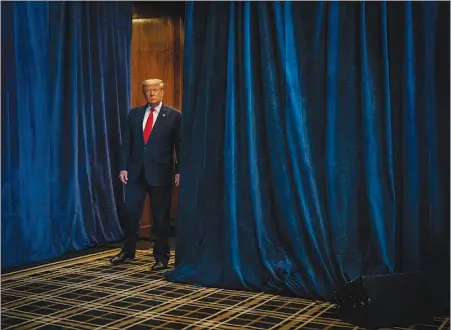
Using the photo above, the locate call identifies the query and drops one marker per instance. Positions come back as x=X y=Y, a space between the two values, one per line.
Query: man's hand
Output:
x=177 y=180
x=123 y=176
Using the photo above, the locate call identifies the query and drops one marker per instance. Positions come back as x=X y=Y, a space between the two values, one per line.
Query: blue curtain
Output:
x=315 y=144
x=65 y=89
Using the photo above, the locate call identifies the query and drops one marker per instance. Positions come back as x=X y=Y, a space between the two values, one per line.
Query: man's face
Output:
x=153 y=94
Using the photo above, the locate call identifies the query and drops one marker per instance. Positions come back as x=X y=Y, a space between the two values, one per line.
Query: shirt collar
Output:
x=157 y=108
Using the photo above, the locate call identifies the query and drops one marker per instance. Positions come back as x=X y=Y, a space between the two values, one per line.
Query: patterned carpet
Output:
x=88 y=293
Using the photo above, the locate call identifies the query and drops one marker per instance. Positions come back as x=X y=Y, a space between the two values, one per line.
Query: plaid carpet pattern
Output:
x=88 y=293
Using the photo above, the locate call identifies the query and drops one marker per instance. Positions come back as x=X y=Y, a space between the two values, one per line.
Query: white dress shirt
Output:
x=155 y=114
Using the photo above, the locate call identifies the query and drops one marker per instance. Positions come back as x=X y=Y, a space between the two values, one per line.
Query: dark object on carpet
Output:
x=385 y=300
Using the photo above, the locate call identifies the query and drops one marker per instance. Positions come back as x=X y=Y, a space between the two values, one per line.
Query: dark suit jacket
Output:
x=156 y=156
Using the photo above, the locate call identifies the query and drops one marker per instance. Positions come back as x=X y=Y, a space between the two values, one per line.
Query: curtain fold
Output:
x=315 y=139
x=66 y=89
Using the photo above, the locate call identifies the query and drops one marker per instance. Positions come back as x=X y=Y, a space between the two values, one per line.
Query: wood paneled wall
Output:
x=157 y=52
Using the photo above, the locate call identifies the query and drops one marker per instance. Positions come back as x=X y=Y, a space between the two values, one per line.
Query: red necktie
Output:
x=149 y=124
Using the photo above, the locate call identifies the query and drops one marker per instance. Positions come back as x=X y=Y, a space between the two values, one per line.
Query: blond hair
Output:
x=148 y=82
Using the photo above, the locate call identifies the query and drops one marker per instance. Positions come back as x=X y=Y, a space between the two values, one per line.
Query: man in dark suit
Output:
x=151 y=134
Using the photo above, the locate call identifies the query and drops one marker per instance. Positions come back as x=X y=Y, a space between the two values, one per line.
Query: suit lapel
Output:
x=141 y=117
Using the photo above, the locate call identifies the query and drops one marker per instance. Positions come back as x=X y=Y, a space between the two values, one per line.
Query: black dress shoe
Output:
x=121 y=257
x=159 y=266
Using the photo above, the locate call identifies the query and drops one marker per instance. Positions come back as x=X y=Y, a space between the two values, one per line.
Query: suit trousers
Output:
x=160 y=204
